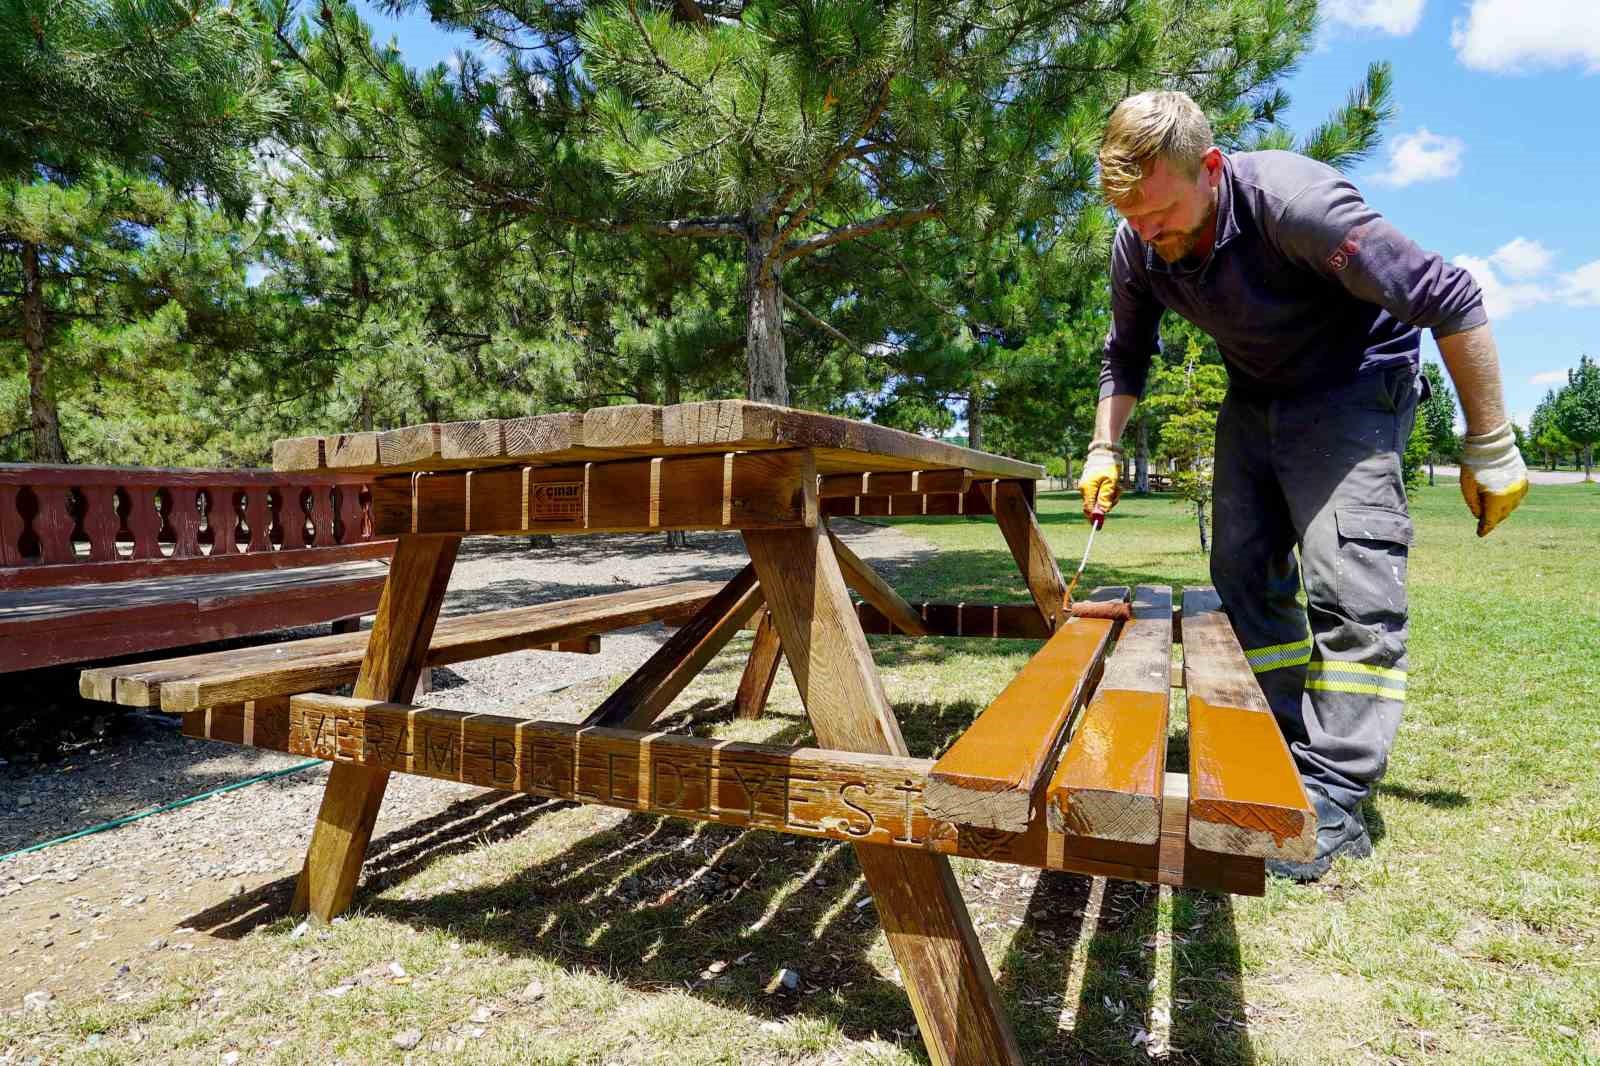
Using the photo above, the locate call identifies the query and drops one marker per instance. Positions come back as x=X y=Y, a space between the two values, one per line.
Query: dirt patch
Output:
x=97 y=915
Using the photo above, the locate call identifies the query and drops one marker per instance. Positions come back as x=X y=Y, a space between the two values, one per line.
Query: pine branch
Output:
x=831 y=331
x=892 y=220
x=830 y=166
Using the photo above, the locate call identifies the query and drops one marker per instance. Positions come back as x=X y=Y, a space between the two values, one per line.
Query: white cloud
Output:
x=1517 y=276
x=1398 y=17
x=1521 y=258
x=1549 y=377
x=1423 y=156
x=1581 y=288
x=1501 y=298
x=1507 y=36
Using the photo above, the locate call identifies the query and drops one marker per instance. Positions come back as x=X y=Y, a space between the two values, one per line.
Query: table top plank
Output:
x=842 y=445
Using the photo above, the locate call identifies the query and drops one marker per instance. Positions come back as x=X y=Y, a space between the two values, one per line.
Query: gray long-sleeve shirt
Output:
x=1306 y=285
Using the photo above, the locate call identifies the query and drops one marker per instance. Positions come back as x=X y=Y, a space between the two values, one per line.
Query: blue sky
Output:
x=1491 y=159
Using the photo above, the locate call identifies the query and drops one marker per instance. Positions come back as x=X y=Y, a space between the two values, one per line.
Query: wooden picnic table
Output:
x=1066 y=770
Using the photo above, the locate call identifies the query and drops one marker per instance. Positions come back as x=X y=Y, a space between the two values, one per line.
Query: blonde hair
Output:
x=1151 y=125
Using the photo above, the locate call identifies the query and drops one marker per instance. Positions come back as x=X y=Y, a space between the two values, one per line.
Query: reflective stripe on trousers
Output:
x=1308 y=498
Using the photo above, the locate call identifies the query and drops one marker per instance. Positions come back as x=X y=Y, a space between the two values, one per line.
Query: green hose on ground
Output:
x=174 y=805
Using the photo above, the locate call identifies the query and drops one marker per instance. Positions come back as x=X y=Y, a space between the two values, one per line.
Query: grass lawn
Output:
x=587 y=936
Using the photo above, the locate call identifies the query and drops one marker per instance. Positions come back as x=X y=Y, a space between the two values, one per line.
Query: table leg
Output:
x=1013 y=513
x=923 y=914
x=760 y=669
x=401 y=632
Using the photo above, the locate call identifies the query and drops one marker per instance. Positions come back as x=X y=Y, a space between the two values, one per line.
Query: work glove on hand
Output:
x=1494 y=478
x=1102 y=468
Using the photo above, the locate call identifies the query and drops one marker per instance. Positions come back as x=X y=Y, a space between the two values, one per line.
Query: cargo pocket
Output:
x=1373 y=546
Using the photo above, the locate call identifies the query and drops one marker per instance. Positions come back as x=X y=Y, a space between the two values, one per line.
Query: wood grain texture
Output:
x=760 y=669
x=409 y=445
x=995 y=773
x=297 y=453
x=650 y=689
x=538 y=435
x=1013 y=512
x=718 y=425
x=859 y=575
x=1109 y=782
x=472 y=440
x=1245 y=795
x=348 y=451
x=946 y=976
x=240 y=674
x=395 y=658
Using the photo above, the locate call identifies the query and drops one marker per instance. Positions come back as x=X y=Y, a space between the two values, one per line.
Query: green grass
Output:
x=1470 y=937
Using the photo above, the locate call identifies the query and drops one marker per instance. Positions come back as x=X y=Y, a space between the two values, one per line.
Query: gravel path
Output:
x=89 y=916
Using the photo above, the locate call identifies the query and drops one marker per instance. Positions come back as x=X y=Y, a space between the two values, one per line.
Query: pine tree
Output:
x=110 y=106
x=789 y=131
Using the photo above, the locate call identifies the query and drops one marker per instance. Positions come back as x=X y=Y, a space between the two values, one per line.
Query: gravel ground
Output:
x=88 y=916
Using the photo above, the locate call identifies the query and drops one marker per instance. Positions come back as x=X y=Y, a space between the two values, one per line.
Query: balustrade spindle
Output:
x=292 y=515
x=144 y=521
x=100 y=521
x=11 y=526
x=53 y=524
x=184 y=521
x=258 y=515
x=322 y=516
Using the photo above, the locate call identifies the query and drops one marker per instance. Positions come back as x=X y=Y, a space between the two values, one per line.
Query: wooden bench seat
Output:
x=230 y=677
x=71 y=623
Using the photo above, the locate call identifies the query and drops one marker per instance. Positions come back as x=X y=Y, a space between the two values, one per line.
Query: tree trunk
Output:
x=975 y=418
x=1141 y=463
x=1430 y=469
x=44 y=419
x=1200 y=519
x=766 y=367
x=1588 y=463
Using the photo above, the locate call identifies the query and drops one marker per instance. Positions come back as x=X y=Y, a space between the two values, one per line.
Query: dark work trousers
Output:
x=1320 y=472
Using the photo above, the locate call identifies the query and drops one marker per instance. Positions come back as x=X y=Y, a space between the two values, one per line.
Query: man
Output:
x=1315 y=302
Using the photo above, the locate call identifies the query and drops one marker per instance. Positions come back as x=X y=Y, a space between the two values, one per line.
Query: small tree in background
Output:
x=1437 y=416
x=1190 y=395
x=1577 y=411
x=1545 y=436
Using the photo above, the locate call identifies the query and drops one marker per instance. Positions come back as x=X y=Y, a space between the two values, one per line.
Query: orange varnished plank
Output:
x=1109 y=782
x=992 y=773
x=1245 y=795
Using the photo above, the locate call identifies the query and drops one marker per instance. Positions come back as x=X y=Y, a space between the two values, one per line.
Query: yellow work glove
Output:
x=1494 y=478
x=1102 y=468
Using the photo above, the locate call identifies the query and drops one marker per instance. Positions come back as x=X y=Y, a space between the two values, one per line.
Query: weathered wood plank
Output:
x=240 y=674
x=760 y=669
x=650 y=689
x=721 y=425
x=1245 y=795
x=946 y=976
x=351 y=451
x=1013 y=512
x=994 y=775
x=539 y=435
x=859 y=575
x=297 y=453
x=1109 y=782
x=395 y=658
x=480 y=440
x=409 y=445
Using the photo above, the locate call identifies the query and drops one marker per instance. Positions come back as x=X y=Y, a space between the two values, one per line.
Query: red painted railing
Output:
x=73 y=524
